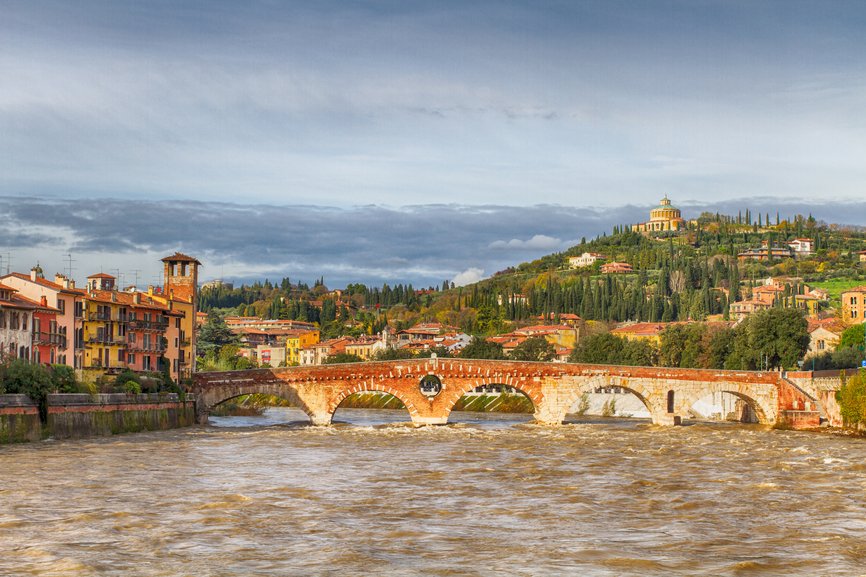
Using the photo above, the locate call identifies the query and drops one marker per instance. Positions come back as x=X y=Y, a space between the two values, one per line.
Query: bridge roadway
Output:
x=553 y=388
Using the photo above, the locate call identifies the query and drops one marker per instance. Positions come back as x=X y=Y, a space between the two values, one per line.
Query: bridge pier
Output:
x=428 y=420
x=201 y=411
x=321 y=419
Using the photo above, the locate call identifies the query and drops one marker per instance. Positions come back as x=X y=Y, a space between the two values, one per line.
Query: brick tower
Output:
x=180 y=292
x=180 y=279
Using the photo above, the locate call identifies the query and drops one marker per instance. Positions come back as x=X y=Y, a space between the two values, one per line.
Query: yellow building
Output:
x=104 y=325
x=297 y=340
x=663 y=218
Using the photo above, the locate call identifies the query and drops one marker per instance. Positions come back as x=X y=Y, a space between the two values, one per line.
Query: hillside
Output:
x=687 y=275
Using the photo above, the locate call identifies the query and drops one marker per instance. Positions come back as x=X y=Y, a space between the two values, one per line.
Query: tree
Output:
x=534 y=349
x=215 y=334
x=852 y=400
x=852 y=337
x=480 y=348
x=608 y=349
x=769 y=339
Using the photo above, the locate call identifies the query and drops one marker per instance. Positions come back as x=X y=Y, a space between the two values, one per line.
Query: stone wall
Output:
x=77 y=416
x=19 y=419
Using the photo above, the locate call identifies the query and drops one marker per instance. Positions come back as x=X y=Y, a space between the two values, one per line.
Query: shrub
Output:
x=63 y=379
x=132 y=387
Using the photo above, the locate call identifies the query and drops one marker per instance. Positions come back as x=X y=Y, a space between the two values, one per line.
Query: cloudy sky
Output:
x=410 y=141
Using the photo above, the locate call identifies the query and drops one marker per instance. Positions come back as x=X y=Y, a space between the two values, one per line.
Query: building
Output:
x=586 y=259
x=641 y=331
x=824 y=335
x=297 y=339
x=766 y=252
x=854 y=305
x=129 y=330
x=862 y=255
x=423 y=332
x=741 y=309
x=663 y=218
x=62 y=296
x=317 y=353
x=365 y=347
x=802 y=247
x=616 y=268
x=28 y=329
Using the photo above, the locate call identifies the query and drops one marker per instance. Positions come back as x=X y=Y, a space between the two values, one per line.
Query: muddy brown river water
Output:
x=487 y=496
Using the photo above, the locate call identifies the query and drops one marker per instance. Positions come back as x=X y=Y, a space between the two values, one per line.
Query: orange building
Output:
x=854 y=305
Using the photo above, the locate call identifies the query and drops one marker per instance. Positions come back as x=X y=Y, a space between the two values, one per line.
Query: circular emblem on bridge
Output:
x=430 y=386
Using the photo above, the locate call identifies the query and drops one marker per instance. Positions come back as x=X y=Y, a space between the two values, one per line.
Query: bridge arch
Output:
x=637 y=387
x=282 y=390
x=457 y=387
x=763 y=407
x=367 y=387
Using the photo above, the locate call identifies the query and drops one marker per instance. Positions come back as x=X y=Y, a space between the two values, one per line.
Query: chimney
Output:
x=33 y=274
x=44 y=301
x=150 y=290
x=114 y=297
x=136 y=298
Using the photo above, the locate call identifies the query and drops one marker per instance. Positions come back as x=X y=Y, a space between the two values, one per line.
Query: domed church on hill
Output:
x=663 y=218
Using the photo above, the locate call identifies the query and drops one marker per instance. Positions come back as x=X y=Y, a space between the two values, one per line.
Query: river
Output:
x=489 y=495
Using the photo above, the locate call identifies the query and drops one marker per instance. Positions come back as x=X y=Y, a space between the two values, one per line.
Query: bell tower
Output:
x=180 y=278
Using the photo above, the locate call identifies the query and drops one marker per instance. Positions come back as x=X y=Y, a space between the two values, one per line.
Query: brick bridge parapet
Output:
x=553 y=388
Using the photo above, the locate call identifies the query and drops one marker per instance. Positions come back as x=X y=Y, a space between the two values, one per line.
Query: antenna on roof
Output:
x=136 y=271
x=8 y=261
x=69 y=268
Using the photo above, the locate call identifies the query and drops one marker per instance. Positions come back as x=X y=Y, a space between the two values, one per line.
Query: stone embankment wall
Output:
x=823 y=386
x=76 y=416
x=19 y=419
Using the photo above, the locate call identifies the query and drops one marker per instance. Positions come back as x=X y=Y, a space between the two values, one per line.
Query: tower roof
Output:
x=180 y=257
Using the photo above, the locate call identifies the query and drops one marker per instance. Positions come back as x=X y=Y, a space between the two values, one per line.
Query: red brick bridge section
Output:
x=553 y=388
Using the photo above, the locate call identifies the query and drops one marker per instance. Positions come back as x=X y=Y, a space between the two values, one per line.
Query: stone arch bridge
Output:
x=553 y=388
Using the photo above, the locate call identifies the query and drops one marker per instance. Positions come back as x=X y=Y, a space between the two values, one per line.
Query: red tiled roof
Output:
x=101 y=275
x=178 y=256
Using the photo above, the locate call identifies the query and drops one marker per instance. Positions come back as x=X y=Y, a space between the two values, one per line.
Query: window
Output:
x=146 y=362
x=131 y=359
x=821 y=345
x=120 y=355
x=2 y=320
x=853 y=314
x=79 y=309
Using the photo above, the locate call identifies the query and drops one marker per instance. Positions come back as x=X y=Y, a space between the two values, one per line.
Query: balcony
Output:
x=104 y=317
x=142 y=325
x=55 y=339
x=105 y=340
x=145 y=348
